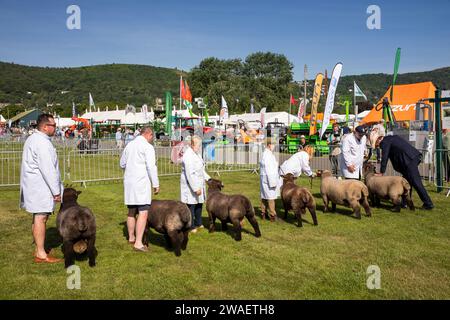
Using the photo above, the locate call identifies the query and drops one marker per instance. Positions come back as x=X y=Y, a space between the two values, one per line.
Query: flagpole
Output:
x=181 y=81
x=354 y=103
x=290 y=110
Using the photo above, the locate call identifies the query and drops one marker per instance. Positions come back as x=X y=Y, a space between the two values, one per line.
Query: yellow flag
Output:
x=315 y=104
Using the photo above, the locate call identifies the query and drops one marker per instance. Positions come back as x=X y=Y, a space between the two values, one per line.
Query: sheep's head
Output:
x=326 y=174
x=214 y=184
x=368 y=168
x=288 y=178
x=70 y=194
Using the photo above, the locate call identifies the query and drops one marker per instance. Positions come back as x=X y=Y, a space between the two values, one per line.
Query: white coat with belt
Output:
x=297 y=164
x=141 y=174
x=40 y=179
x=352 y=153
x=193 y=176
x=269 y=177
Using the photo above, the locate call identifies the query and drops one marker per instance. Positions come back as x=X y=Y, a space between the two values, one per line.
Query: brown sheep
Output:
x=349 y=193
x=76 y=225
x=297 y=199
x=172 y=219
x=387 y=187
x=229 y=208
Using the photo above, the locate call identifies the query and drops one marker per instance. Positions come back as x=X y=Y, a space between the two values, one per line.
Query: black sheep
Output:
x=172 y=219
x=76 y=225
x=229 y=208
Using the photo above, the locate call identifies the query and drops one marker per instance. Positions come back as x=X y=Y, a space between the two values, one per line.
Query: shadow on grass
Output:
x=52 y=239
x=229 y=227
x=154 y=238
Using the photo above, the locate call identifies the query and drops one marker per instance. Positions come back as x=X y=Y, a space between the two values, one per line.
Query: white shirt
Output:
x=270 y=181
x=141 y=174
x=193 y=176
x=297 y=164
x=40 y=178
x=352 y=154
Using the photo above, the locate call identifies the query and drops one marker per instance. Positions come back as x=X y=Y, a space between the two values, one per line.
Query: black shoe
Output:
x=430 y=207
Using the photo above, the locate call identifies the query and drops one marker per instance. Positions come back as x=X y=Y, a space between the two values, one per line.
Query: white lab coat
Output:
x=193 y=176
x=297 y=164
x=40 y=179
x=352 y=153
x=141 y=173
x=270 y=181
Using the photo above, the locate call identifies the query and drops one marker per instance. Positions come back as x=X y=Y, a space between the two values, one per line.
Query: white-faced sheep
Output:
x=393 y=188
x=351 y=193
x=76 y=225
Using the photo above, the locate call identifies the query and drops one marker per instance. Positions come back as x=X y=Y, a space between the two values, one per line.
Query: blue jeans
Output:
x=196 y=213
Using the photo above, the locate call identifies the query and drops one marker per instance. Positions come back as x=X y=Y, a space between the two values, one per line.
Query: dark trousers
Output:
x=196 y=213
x=334 y=164
x=412 y=175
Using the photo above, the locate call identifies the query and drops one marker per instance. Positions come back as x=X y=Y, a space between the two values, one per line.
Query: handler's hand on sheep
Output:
x=198 y=192
x=351 y=168
x=57 y=198
x=378 y=174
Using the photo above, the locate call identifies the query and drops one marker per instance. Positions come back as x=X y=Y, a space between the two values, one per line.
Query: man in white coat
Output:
x=40 y=182
x=192 y=181
x=141 y=174
x=352 y=155
x=298 y=163
x=269 y=181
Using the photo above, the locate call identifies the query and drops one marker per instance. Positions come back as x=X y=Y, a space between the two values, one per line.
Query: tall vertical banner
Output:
x=315 y=103
x=329 y=105
x=74 y=110
x=168 y=113
x=223 y=110
x=91 y=103
x=301 y=107
x=262 y=115
x=396 y=65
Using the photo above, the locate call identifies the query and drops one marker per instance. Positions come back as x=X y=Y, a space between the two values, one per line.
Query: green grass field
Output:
x=324 y=262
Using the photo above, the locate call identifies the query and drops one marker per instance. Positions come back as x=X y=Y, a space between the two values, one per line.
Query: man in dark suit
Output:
x=405 y=159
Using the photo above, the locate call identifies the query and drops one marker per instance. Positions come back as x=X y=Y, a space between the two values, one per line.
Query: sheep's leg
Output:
x=168 y=242
x=356 y=208
x=69 y=254
x=312 y=210
x=409 y=202
x=333 y=207
x=212 y=222
x=185 y=240
x=224 y=225
x=397 y=201
x=325 y=203
x=285 y=205
x=252 y=219
x=366 y=206
x=298 y=214
x=237 y=228
x=176 y=239
x=91 y=251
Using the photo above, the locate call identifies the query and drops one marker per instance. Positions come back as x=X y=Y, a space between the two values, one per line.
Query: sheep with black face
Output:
x=76 y=225
x=229 y=208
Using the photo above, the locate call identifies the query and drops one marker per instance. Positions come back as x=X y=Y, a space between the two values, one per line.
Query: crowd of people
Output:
x=41 y=186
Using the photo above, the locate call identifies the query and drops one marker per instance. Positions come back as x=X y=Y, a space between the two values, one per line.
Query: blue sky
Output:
x=180 y=34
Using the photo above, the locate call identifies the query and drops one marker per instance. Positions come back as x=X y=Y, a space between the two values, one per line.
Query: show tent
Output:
x=404 y=103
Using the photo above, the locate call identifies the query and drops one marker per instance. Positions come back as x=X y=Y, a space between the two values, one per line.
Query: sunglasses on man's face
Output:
x=51 y=125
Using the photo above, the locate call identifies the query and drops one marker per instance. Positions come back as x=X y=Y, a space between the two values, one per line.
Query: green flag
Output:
x=396 y=65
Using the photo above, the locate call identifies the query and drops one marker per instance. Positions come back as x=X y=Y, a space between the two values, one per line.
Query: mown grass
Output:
x=324 y=262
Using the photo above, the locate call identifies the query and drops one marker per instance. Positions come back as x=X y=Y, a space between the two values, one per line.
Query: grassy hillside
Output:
x=138 y=84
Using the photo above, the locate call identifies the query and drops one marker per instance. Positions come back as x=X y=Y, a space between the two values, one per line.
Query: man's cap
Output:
x=360 y=129
x=302 y=136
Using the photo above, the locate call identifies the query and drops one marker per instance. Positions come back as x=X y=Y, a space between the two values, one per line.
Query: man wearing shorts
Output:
x=40 y=182
x=138 y=161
